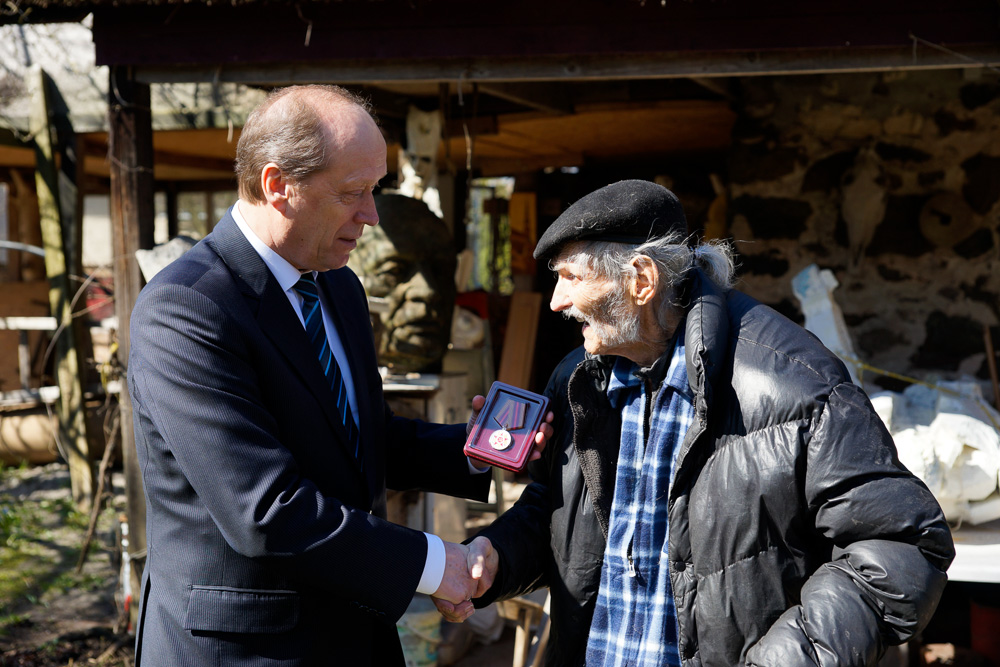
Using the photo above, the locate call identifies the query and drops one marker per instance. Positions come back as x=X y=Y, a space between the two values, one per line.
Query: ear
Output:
x=275 y=186
x=646 y=280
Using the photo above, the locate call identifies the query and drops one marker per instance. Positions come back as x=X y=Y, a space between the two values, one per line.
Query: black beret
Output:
x=631 y=211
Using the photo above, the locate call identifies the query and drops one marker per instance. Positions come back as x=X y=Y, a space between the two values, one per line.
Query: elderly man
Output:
x=719 y=493
x=265 y=444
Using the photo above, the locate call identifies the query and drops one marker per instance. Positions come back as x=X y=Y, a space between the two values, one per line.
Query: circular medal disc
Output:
x=500 y=440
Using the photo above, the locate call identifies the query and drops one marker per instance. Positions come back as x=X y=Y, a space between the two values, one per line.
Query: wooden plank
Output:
x=131 y=132
x=50 y=395
x=58 y=219
x=518 y=356
x=29 y=323
x=17 y=156
x=523 y=217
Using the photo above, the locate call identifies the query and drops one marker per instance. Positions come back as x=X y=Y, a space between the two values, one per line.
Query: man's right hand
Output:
x=481 y=563
x=457 y=587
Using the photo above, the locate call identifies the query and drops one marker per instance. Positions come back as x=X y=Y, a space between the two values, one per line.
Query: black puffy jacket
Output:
x=796 y=536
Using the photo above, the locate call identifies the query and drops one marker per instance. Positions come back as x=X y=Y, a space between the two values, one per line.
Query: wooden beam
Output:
x=170 y=158
x=58 y=222
x=456 y=30
x=131 y=132
x=580 y=67
x=551 y=98
x=206 y=162
x=477 y=127
x=17 y=156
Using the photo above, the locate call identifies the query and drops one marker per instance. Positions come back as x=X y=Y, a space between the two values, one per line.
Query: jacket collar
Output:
x=706 y=337
x=597 y=427
x=279 y=323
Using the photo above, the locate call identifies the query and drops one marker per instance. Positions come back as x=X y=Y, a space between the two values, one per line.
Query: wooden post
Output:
x=58 y=215
x=172 y=224
x=131 y=154
x=72 y=168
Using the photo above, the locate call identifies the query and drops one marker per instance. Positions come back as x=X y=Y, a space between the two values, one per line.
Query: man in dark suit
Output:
x=262 y=433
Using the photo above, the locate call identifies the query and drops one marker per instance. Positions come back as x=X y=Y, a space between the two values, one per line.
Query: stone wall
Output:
x=891 y=181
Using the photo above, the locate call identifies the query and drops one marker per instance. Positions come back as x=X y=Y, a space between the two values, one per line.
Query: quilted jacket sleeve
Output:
x=892 y=546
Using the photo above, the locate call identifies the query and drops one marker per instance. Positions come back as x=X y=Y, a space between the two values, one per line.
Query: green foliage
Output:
x=17 y=578
x=12 y=523
x=68 y=581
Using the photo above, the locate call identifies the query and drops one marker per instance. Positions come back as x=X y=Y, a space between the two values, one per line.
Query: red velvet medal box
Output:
x=504 y=432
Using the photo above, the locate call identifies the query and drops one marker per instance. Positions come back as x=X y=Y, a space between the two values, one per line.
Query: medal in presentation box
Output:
x=504 y=432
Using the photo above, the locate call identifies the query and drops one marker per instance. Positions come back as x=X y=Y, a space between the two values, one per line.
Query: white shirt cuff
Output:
x=430 y=580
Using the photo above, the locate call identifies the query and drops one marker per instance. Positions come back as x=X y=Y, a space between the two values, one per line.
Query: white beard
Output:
x=613 y=322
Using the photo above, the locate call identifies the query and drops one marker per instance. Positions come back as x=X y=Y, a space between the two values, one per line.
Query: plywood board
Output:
x=518 y=355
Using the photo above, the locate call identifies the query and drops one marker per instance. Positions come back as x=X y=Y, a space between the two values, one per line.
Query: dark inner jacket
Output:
x=796 y=537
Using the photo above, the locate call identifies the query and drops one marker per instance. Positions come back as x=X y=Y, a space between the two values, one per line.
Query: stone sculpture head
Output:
x=408 y=259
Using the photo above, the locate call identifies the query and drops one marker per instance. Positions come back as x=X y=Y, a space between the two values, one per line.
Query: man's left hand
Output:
x=542 y=437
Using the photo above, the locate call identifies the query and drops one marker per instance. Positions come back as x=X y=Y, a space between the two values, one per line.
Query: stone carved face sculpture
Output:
x=408 y=259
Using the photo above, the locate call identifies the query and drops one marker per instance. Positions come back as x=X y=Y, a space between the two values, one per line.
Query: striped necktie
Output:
x=312 y=314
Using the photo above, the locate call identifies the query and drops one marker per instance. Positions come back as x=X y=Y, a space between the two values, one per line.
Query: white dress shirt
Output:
x=287 y=275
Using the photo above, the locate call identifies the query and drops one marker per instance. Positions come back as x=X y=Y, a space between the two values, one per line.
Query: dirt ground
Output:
x=50 y=616
x=54 y=615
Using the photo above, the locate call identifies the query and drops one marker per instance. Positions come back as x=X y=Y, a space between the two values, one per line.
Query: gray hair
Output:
x=288 y=130
x=673 y=259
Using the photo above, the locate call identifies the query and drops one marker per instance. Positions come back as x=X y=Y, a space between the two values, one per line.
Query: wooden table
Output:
x=977 y=553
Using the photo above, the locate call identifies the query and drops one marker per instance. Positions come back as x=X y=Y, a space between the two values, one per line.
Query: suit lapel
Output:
x=277 y=319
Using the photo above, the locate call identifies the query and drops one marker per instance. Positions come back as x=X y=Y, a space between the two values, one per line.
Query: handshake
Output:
x=468 y=573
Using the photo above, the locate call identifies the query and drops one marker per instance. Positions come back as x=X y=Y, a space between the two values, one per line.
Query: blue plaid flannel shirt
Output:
x=635 y=621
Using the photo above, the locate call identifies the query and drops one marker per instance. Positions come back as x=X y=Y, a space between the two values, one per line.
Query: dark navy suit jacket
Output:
x=266 y=539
